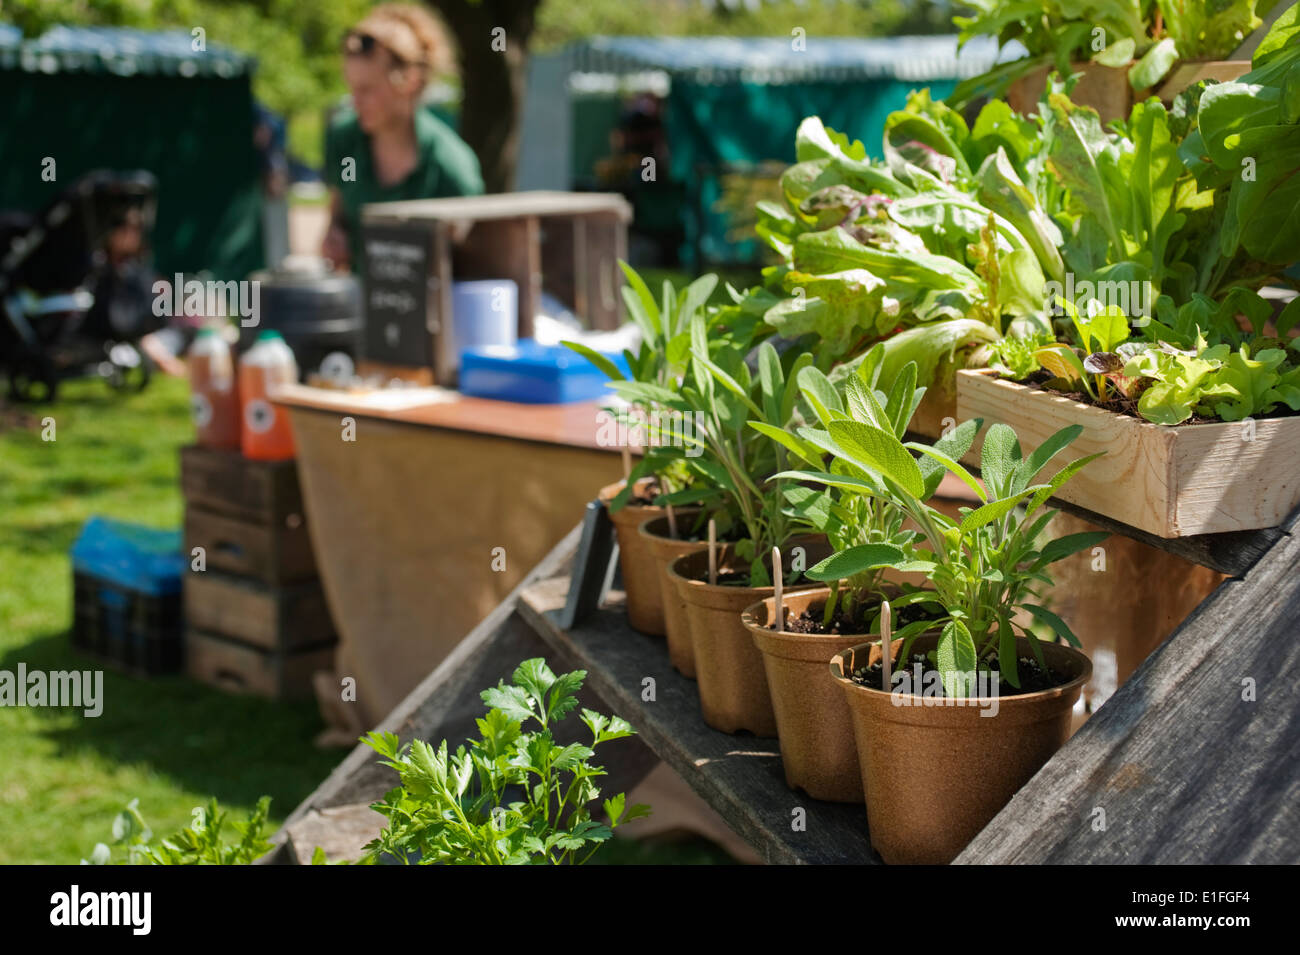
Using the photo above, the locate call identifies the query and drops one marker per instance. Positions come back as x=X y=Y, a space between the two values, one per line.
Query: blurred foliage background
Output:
x=297 y=43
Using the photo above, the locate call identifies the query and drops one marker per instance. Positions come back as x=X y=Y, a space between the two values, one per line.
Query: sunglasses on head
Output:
x=359 y=43
x=364 y=44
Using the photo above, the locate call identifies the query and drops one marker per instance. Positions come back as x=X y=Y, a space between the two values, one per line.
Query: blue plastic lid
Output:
x=529 y=352
x=144 y=559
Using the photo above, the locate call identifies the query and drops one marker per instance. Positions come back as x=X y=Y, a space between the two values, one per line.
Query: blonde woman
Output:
x=387 y=147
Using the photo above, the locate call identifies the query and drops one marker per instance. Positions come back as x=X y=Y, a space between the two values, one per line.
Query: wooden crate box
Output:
x=236 y=667
x=272 y=553
x=226 y=482
x=1169 y=481
x=273 y=618
x=565 y=243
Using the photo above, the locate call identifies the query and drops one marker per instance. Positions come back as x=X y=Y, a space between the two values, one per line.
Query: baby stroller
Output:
x=76 y=287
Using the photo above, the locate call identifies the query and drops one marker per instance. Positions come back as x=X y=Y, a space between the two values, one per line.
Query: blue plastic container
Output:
x=534 y=374
x=484 y=312
x=127 y=596
x=143 y=559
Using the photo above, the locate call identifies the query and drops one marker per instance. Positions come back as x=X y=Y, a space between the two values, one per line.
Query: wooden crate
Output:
x=226 y=482
x=238 y=668
x=1104 y=88
x=271 y=553
x=937 y=409
x=1185 y=73
x=1172 y=482
x=274 y=618
x=564 y=243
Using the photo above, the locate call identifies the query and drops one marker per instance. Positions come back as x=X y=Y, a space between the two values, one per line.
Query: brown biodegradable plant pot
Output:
x=934 y=776
x=663 y=551
x=733 y=684
x=812 y=716
x=640 y=581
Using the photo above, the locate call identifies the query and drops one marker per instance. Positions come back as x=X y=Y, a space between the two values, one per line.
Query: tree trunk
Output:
x=494 y=73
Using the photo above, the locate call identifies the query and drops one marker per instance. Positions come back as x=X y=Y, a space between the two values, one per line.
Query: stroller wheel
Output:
x=33 y=381
x=126 y=368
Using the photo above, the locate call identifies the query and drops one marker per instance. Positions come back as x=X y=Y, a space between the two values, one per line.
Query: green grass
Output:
x=169 y=741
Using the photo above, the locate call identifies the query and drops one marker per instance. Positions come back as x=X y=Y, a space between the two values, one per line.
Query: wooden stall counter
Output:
x=427 y=508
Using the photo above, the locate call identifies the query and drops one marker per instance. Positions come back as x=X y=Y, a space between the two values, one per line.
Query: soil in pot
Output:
x=664 y=549
x=936 y=770
x=812 y=620
x=1034 y=677
x=640 y=581
x=729 y=667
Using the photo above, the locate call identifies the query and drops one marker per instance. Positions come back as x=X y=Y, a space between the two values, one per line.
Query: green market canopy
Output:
x=120 y=99
x=737 y=101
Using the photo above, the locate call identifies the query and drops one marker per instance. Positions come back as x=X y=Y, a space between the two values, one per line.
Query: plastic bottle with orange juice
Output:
x=214 y=400
x=265 y=434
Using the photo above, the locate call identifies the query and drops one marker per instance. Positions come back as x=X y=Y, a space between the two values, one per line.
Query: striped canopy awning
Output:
x=911 y=59
x=120 y=51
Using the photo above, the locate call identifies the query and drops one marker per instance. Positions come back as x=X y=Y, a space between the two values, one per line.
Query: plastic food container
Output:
x=484 y=312
x=533 y=374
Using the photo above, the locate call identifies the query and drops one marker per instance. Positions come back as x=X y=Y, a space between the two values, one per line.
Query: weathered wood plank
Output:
x=500 y=206
x=1184 y=768
x=740 y=776
x=1232 y=553
x=341 y=831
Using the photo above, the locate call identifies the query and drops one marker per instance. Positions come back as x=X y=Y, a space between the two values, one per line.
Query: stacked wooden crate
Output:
x=256 y=617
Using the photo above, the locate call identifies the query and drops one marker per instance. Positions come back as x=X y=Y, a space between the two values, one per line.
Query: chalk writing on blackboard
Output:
x=396 y=272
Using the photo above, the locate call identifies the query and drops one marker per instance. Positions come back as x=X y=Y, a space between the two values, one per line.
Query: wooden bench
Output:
x=1176 y=767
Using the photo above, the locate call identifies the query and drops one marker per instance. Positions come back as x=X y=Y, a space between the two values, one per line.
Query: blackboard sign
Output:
x=592 y=567
x=396 y=283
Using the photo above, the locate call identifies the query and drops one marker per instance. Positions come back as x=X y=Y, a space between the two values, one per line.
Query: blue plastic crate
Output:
x=144 y=559
x=127 y=595
x=533 y=374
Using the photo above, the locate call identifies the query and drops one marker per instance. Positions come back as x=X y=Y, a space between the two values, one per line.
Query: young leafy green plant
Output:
x=1192 y=360
x=510 y=797
x=202 y=843
x=1214 y=382
x=732 y=461
x=1247 y=144
x=1146 y=38
x=661 y=361
x=1102 y=331
x=986 y=567
x=1016 y=358
x=865 y=531
x=943 y=247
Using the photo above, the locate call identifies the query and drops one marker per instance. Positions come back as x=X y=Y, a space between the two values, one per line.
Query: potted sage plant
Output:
x=660 y=362
x=733 y=463
x=973 y=686
x=870 y=544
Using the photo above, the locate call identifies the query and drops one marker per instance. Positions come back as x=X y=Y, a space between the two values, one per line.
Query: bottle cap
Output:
x=269 y=335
